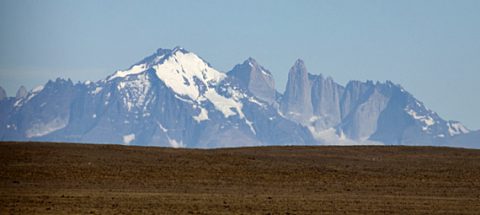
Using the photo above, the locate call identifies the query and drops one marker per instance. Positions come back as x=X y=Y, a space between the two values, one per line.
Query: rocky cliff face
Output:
x=256 y=79
x=326 y=95
x=362 y=112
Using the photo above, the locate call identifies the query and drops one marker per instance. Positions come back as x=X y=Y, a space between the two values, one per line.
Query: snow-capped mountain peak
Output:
x=185 y=73
x=182 y=71
x=188 y=76
x=156 y=58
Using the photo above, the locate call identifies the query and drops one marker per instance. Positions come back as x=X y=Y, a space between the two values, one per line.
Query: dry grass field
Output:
x=57 y=178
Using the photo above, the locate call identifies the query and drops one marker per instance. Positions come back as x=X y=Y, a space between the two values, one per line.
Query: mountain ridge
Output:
x=175 y=98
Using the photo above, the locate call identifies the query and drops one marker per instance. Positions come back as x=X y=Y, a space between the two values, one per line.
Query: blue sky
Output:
x=432 y=48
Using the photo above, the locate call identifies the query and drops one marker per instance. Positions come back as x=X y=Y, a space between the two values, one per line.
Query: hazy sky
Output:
x=432 y=48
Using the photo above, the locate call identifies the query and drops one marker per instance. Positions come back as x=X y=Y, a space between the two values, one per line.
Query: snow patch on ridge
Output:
x=37 y=89
x=425 y=119
x=135 y=69
x=250 y=125
x=203 y=115
x=42 y=129
x=456 y=128
x=265 y=73
x=224 y=105
x=97 y=90
x=127 y=139
x=161 y=127
x=176 y=144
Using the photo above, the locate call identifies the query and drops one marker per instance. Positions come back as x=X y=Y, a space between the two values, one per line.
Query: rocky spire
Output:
x=3 y=94
x=21 y=92
x=296 y=100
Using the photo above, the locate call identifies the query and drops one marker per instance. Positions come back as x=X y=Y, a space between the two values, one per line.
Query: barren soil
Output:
x=58 y=178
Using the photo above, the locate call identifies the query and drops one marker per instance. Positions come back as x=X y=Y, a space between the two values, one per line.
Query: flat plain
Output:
x=61 y=178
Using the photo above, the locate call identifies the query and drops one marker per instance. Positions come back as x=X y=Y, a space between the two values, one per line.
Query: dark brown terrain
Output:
x=56 y=178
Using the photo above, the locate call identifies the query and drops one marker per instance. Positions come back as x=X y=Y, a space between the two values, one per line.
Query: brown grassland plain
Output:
x=58 y=178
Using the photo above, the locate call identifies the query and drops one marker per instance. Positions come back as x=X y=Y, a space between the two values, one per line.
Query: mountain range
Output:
x=175 y=98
